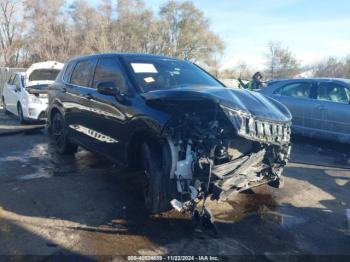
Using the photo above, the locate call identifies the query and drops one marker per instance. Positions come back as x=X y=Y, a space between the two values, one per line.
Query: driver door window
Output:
x=297 y=90
x=17 y=83
x=333 y=92
x=109 y=69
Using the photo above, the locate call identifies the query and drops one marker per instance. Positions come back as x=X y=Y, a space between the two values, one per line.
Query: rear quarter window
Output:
x=333 y=92
x=68 y=72
x=82 y=73
x=10 y=81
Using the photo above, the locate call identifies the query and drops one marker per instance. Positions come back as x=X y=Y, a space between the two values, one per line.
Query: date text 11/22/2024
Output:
x=173 y=258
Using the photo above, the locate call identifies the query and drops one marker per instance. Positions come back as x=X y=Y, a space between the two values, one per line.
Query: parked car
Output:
x=320 y=106
x=25 y=93
x=191 y=136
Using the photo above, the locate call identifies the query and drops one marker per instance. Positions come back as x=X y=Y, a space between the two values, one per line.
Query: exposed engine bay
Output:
x=218 y=151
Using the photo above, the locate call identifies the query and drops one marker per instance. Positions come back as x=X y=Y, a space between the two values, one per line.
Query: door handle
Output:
x=88 y=96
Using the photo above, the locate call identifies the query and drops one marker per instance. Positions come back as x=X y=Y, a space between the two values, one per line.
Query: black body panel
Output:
x=108 y=125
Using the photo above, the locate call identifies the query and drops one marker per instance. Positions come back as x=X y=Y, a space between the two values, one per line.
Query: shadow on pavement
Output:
x=320 y=152
x=99 y=208
x=10 y=125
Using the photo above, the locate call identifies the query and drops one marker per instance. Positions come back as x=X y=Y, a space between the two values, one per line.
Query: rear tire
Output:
x=159 y=189
x=4 y=106
x=59 y=136
x=20 y=114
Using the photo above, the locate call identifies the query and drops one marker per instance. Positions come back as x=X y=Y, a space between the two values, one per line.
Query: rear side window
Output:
x=333 y=92
x=109 y=69
x=82 y=73
x=299 y=90
x=68 y=72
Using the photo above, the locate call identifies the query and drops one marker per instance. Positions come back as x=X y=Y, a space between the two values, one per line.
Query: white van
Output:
x=25 y=93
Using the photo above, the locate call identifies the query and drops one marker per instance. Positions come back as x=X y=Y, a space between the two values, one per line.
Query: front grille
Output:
x=264 y=131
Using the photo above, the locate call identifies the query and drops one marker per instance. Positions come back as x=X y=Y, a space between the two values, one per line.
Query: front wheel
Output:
x=59 y=136
x=159 y=189
x=20 y=114
x=4 y=106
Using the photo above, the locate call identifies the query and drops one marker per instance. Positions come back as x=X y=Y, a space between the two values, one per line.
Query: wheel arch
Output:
x=136 y=140
x=51 y=112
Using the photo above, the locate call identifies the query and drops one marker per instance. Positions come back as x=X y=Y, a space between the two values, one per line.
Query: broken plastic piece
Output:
x=177 y=205
x=194 y=192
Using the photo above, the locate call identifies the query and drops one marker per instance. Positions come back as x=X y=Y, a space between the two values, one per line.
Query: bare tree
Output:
x=10 y=33
x=281 y=62
x=186 y=33
x=88 y=28
x=333 y=67
x=47 y=37
x=55 y=32
x=137 y=27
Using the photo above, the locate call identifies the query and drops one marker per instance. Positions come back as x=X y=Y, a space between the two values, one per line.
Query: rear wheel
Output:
x=20 y=114
x=159 y=189
x=59 y=136
x=4 y=105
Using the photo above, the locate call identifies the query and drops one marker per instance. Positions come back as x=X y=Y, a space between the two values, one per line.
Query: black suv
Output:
x=192 y=136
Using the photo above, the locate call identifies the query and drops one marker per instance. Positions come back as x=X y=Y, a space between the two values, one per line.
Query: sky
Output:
x=312 y=30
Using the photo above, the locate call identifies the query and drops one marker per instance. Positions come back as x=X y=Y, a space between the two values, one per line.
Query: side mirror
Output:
x=108 y=88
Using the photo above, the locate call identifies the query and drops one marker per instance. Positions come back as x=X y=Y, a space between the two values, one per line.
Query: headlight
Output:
x=239 y=119
x=261 y=130
x=33 y=99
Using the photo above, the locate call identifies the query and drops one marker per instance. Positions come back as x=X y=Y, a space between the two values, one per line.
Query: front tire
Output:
x=159 y=189
x=20 y=114
x=4 y=106
x=59 y=136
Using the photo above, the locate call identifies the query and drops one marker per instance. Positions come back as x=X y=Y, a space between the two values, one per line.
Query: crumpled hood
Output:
x=253 y=103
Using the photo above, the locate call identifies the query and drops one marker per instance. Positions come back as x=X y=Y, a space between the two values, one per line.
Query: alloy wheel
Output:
x=58 y=130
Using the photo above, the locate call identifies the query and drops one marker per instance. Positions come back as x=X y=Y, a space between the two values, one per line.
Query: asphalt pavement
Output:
x=83 y=205
x=9 y=124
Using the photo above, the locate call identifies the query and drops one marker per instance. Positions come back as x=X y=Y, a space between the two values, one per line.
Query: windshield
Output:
x=44 y=75
x=161 y=73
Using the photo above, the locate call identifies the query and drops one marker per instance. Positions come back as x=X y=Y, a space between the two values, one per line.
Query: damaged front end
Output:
x=218 y=151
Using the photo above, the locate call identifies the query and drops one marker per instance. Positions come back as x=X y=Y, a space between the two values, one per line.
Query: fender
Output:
x=55 y=105
x=141 y=129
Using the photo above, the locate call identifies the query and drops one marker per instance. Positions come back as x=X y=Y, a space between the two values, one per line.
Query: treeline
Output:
x=36 y=30
x=333 y=67
x=281 y=63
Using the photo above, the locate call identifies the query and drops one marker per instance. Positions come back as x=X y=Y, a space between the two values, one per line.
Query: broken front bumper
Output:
x=249 y=171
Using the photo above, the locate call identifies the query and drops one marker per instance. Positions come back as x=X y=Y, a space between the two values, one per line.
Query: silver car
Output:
x=320 y=106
